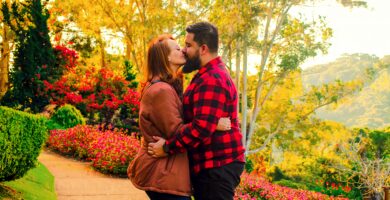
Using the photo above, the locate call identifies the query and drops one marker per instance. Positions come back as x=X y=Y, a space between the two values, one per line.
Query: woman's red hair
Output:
x=158 y=64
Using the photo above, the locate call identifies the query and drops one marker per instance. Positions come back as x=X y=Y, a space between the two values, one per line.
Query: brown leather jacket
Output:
x=160 y=115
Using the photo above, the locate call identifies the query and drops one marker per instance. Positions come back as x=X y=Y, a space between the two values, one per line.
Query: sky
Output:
x=357 y=30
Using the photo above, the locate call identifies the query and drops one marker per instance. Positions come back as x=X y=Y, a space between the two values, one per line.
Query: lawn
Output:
x=37 y=184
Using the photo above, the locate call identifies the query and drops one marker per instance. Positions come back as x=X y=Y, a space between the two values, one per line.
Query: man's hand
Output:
x=156 y=149
x=224 y=124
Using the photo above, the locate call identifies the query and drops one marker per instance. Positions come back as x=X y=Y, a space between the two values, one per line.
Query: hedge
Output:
x=21 y=138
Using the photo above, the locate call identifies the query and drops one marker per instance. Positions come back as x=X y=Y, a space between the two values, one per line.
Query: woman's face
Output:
x=176 y=57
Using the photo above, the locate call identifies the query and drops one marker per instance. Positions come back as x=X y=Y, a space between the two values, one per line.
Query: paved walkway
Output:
x=76 y=180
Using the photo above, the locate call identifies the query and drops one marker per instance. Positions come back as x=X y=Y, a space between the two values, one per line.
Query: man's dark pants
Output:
x=165 y=196
x=217 y=183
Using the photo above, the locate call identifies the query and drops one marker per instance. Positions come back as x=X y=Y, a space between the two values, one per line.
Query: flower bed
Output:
x=112 y=151
x=109 y=151
x=254 y=188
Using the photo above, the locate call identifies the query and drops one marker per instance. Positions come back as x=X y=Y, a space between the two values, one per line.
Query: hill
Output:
x=368 y=108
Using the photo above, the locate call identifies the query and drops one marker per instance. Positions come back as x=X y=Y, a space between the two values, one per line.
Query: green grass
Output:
x=7 y=193
x=37 y=184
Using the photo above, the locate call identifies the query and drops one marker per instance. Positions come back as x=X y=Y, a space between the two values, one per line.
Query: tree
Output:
x=238 y=33
x=286 y=42
x=6 y=48
x=83 y=22
x=34 y=56
x=136 y=21
x=368 y=154
x=353 y=3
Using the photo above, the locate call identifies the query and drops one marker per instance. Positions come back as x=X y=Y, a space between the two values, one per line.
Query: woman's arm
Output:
x=165 y=109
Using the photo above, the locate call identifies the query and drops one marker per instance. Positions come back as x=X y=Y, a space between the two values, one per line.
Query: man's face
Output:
x=191 y=52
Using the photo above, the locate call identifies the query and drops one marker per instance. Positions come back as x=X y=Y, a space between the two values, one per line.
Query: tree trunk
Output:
x=102 y=51
x=244 y=90
x=225 y=59
x=128 y=43
x=4 y=64
x=237 y=81
x=230 y=56
x=269 y=37
x=128 y=50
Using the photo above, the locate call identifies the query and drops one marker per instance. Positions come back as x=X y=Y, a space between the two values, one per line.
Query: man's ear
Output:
x=203 y=49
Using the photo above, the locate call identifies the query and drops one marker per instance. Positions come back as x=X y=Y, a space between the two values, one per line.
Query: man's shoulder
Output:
x=213 y=77
x=216 y=73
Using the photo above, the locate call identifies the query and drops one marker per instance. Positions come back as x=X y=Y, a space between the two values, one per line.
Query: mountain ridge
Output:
x=370 y=107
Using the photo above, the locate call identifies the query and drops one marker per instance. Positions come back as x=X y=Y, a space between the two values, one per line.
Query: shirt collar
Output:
x=211 y=64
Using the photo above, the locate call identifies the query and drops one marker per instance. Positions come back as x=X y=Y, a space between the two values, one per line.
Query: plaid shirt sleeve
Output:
x=209 y=100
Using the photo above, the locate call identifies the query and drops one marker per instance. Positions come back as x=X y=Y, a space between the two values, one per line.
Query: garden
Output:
x=65 y=93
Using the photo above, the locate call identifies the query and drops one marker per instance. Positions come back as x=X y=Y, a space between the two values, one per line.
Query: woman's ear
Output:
x=169 y=59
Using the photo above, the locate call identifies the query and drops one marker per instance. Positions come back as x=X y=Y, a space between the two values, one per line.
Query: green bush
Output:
x=21 y=138
x=276 y=174
x=68 y=116
x=249 y=165
x=291 y=184
x=52 y=125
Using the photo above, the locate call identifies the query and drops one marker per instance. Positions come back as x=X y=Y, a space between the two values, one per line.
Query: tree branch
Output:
x=265 y=53
x=253 y=122
x=268 y=140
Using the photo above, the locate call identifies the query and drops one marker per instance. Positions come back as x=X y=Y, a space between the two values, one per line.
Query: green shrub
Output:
x=291 y=184
x=21 y=138
x=248 y=165
x=68 y=116
x=276 y=174
x=52 y=125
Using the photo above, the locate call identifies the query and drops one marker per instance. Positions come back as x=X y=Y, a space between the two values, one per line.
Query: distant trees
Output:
x=134 y=22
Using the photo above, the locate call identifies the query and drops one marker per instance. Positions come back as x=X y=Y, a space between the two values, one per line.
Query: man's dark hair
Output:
x=205 y=33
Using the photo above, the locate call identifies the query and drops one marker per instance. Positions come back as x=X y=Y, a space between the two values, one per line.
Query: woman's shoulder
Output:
x=160 y=90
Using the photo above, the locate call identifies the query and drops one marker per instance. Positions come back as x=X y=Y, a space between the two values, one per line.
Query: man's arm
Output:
x=209 y=103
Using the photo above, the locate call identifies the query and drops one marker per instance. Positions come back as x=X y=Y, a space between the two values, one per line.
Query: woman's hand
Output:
x=224 y=124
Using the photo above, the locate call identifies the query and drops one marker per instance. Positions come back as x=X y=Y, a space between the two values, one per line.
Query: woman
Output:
x=161 y=115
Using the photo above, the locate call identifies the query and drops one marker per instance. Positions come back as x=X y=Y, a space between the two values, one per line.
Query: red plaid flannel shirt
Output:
x=210 y=96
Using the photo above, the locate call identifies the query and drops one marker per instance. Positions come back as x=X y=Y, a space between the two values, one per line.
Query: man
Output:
x=216 y=157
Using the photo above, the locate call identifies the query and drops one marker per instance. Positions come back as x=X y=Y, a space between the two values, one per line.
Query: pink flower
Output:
x=109 y=151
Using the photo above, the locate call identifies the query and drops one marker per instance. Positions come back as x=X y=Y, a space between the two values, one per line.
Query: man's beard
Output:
x=191 y=64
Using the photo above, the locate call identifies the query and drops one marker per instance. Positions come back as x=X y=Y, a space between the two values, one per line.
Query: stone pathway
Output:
x=76 y=180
